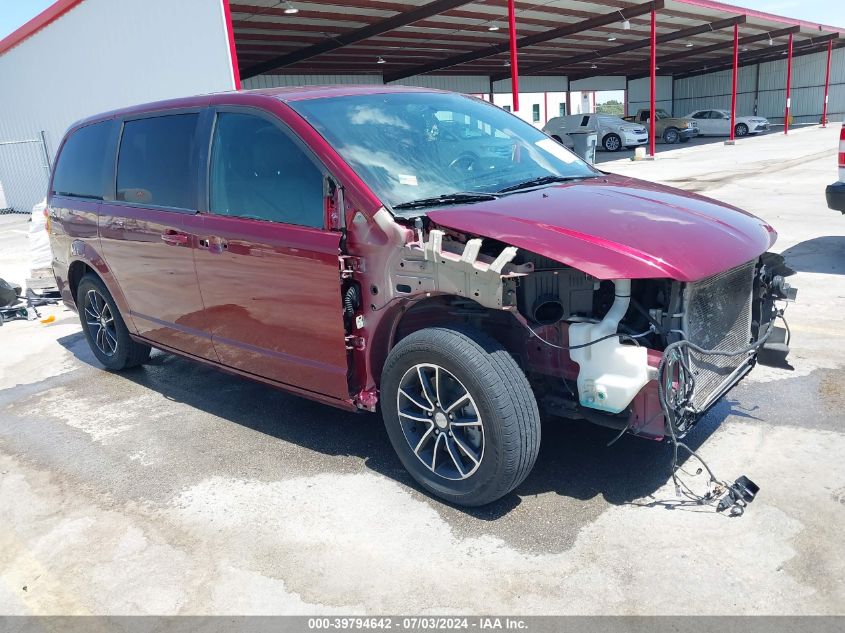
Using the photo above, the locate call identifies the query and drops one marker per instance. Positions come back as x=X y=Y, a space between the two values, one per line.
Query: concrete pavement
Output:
x=174 y=488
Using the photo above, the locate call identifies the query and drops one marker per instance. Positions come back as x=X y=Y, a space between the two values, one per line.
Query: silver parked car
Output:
x=613 y=132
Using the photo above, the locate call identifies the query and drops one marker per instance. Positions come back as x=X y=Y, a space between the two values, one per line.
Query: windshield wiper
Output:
x=542 y=180
x=448 y=198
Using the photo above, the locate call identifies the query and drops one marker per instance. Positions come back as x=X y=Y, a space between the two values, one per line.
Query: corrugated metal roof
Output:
x=270 y=40
x=470 y=37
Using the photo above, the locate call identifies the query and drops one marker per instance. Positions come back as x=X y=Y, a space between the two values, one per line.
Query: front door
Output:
x=268 y=269
x=146 y=233
x=702 y=117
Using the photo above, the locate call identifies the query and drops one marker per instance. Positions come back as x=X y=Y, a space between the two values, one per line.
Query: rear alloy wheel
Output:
x=671 y=136
x=612 y=143
x=741 y=129
x=460 y=414
x=107 y=334
x=100 y=321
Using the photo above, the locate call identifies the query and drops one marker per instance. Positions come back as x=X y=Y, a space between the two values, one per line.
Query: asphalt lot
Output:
x=178 y=489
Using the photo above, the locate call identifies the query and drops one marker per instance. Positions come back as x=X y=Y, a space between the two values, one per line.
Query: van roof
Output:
x=253 y=97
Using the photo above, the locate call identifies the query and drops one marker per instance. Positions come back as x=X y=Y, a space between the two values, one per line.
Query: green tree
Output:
x=612 y=106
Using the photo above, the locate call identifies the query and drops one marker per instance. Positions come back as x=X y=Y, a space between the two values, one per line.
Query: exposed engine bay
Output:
x=596 y=348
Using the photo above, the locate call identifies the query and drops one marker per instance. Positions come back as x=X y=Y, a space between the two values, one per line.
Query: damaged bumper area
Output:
x=728 y=325
x=645 y=356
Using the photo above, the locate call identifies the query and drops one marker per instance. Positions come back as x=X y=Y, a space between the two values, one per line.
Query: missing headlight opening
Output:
x=644 y=356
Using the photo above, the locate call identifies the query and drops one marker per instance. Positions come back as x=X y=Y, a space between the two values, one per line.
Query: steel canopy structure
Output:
x=577 y=38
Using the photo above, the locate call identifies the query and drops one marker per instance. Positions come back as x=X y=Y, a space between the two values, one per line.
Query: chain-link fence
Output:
x=24 y=173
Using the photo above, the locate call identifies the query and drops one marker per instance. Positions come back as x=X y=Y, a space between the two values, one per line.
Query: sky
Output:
x=14 y=13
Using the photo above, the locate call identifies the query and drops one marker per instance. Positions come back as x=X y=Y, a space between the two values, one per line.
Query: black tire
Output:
x=671 y=135
x=741 y=130
x=111 y=344
x=612 y=142
x=500 y=395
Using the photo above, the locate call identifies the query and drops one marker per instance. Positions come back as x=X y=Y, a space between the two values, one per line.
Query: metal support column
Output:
x=652 y=125
x=733 y=82
x=788 y=84
x=47 y=166
x=514 y=62
x=827 y=82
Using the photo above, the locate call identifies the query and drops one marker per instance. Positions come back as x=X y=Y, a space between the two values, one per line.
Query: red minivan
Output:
x=419 y=251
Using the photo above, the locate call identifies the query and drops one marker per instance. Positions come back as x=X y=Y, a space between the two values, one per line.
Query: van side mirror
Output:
x=335 y=206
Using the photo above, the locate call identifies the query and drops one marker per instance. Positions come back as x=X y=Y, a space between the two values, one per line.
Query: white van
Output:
x=613 y=132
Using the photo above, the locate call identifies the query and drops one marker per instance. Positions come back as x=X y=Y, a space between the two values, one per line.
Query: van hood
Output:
x=614 y=227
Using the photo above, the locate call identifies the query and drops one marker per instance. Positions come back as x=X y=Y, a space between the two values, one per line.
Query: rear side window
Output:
x=83 y=161
x=157 y=164
x=259 y=172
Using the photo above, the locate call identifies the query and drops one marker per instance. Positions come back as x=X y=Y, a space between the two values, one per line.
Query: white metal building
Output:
x=81 y=57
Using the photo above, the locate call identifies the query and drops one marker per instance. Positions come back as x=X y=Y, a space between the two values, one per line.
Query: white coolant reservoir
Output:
x=610 y=374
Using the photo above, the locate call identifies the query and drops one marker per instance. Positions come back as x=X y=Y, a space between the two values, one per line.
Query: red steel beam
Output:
x=827 y=83
x=733 y=80
x=233 y=52
x=356 y=35
x=652 y=123
x=788 y=84
x=642 y=69
x=514 y=55
x=528 y=40
x=692 y=31
x=771 y=53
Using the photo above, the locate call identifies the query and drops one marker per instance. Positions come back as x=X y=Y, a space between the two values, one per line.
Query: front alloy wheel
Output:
x=440 y=421
x=460 y=414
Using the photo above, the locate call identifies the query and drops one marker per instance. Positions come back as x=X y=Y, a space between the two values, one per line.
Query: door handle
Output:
x=174 y=238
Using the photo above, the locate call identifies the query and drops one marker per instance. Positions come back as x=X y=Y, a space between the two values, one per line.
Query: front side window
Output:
x=259 y=172
x=83 y=161
x=156 y=164
x=408 y=146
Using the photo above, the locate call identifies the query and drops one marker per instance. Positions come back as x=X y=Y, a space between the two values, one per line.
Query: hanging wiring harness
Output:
x=675 y=387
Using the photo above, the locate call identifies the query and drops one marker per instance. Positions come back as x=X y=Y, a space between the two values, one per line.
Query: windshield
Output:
x=424 y=145
x=662 y=114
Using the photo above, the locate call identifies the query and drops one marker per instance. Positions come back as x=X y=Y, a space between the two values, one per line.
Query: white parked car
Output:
x=612 y=132
x=718 y=123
